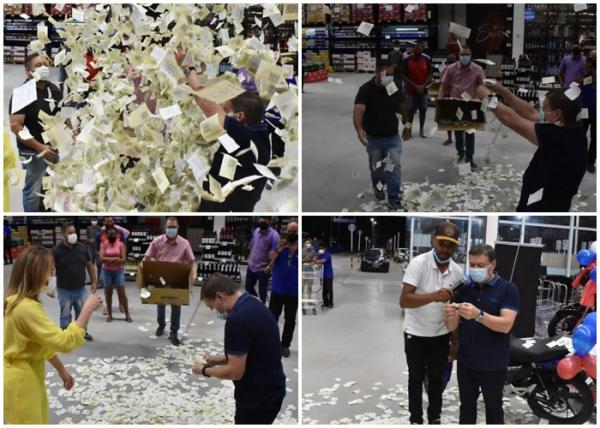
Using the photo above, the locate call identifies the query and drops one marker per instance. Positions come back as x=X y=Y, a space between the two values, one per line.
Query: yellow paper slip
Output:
x=211 y=128
x=221 y=91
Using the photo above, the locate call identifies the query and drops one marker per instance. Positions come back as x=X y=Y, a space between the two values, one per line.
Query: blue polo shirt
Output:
x=327 y=267
x=285 y=274
x=251 y=330
x=479 y=347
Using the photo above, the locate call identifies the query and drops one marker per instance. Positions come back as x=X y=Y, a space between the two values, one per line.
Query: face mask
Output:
x=41 y=73
x=307 y=245
x=321 y=251
x=465 y=59
x=171 y=232
x=263 y=225
x=292 y=238
x=576 y=52
x=386 y=80
x=479 y=275
x=94 y=223
x=72 y=238
x=396 y=49
x=440 y=260
x=112 y=239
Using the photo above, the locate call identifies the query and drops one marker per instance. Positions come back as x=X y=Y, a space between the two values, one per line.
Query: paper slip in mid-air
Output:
x=78 y=14
x=169 y=112
x=161 y=179
x=365 y=28
x=264 y=171
x=228 y=166
x=584 y=114
x=573 y=93
x=23 y=95
x=459 y=113
x=221 y=91
x=466 y=96
x=410 y=8
x=211 y=128
x=24 y=134
x=225 y=51
x=588 y=80
x=228 y=143
x=460 y=30
x=548 y=80
x=484 y=61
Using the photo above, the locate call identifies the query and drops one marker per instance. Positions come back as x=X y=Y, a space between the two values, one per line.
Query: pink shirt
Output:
x=458 y=78
x=163 y=250
x=112 y=250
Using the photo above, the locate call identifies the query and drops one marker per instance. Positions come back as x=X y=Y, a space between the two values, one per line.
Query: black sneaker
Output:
x=395 y=205
x=174 y=340
x=88 y=337
x=473 y=164
x=379 y=194
x=435 y=422
x=460 y=158
x=285 y=352
x=159 y=331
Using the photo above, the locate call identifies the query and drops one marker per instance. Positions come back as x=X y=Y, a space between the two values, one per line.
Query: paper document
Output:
x=23 y=95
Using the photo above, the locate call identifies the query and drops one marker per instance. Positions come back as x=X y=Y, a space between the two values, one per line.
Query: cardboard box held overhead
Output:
x=453 y=114
x=167 y=282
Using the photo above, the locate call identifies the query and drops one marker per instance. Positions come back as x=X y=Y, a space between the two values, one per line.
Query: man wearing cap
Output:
x=484 y=314
x=426 y=287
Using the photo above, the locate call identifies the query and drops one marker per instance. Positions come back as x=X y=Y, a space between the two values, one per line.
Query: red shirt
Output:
x=417 y=70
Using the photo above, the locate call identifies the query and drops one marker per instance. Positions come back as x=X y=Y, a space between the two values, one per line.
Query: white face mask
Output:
x=321 y=251
x=94 y=222
x=396 y=49
x=41 y=73
x=72 y=238
x=386 y=80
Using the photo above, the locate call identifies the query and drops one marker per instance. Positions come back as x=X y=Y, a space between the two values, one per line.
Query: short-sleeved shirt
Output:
x=285 y=273
x=459 y=78
x=380 y=114
x=241 y=200
x=481 y=348
x=251 y=330
x=262 y=243
x=557 y=167
x=327 y=267
x=163 y=250
x=417 y=69
x=92 y=232
x=423 y=273
x=572 y=68
x=113 y=250
x=31 y=112
x=70 y=262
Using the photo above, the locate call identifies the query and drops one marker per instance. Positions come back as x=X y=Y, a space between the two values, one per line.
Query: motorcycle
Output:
x=532 y=375
x=565 y=320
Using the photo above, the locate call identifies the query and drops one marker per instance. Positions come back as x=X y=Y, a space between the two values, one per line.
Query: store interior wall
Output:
x=444 y=17
x=491 y=230
x=518 y=41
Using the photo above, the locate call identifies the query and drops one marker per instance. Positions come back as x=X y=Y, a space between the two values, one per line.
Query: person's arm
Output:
x=92 y=273
x=209 y=108
x=65 y=376
x=215 y=360
x=358 y=115
x=430 y=72
x=561 y=72
x=403 y=112
x=501 y=324
x=409 y=299
x=122 y=254
x=444 y=82
x=107 y=259
x=17 y=124
x=522 y=107
x=233 y=369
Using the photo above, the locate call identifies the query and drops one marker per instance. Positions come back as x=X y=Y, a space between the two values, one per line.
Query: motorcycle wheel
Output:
x=571 y=401
x=563 y=322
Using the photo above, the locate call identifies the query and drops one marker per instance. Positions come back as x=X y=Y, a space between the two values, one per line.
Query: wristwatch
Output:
x=479 y=318
x=204 y=371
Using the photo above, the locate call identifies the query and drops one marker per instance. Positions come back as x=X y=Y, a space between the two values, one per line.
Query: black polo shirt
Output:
x=380 y=115
x=31 y=112
x=251 y=329
x=241 y=200
x=70 y=263
x=558 y=166
x=480 y=348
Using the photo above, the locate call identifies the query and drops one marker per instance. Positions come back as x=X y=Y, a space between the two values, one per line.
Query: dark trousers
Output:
x=328 y=292
x=425 y=356
x=591 y=125
x=289 y=305
x=491 y=384
x=263 y=414
x=263 y=284
x=175 y=318
x=8 y=258
x=460 y=144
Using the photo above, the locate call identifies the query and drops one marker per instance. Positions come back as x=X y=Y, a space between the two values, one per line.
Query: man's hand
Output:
x=406 y=134
x=68 y=380
x=468 y=311
x=197 y=368
x=493 y=85
x=212 y=360
x=451 y=313
x=420 y=89
x=49 y=154
x=442 y=295
x=267 y=269
x=362 y=137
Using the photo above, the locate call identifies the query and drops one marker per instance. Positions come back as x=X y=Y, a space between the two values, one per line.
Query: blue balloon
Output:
x=585 y=257
x=593 y=275
x=590 y=322
x=583 y=340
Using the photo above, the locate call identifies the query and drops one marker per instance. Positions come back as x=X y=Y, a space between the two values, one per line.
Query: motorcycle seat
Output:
x=536 y=353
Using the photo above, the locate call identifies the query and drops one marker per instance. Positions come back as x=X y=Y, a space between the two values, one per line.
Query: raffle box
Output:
x=167 y=282
x=459 y=115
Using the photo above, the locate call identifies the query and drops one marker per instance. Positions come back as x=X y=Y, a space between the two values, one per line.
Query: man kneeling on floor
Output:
x=252 y=357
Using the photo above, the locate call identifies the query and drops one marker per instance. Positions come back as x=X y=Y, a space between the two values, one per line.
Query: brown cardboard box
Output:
x=447 y=119
x=167 y=282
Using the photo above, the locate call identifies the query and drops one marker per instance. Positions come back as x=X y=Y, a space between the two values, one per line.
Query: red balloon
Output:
x=589 y=365
x=568 y=367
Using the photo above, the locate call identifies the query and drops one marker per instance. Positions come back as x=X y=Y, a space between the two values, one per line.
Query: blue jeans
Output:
x=34 y=173
x=460 y=144
x=378 y=148
x=416 y=102
x=175 y=318
x=263 y=284
x=112 y=278
x=69 y=300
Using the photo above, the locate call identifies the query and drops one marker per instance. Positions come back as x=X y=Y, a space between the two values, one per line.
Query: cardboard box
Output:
x=447 y=119
x=167 y=282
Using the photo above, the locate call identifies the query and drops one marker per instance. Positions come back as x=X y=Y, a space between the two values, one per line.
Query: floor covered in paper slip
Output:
x=368 y=379
x=331 y=153
x=128 y=376
x=284 y=200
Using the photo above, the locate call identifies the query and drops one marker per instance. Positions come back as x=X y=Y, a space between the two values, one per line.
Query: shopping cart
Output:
x=312 y=285
x=552 y=296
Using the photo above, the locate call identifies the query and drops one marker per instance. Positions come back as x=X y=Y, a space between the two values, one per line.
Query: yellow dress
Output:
x=30 y=338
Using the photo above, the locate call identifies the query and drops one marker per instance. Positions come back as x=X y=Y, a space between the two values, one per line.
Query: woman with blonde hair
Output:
x=30 y=338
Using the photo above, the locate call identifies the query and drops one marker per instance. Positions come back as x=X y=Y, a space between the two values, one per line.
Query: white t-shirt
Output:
x=423 y=273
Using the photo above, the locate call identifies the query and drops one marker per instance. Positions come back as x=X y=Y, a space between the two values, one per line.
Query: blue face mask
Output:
x=439 y=260
x=542 y=116
x=479 y=275
x=465 y=59
x=171 y=232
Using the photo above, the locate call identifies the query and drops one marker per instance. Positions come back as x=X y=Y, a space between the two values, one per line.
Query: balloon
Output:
x=593 y=275
x=585 y=257
x=568 y=367
x=583 y=340
x=593 y=246
x=590 y=320
x=589 y=365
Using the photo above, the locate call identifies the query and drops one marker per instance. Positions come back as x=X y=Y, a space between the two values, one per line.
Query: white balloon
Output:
x=593 y=247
